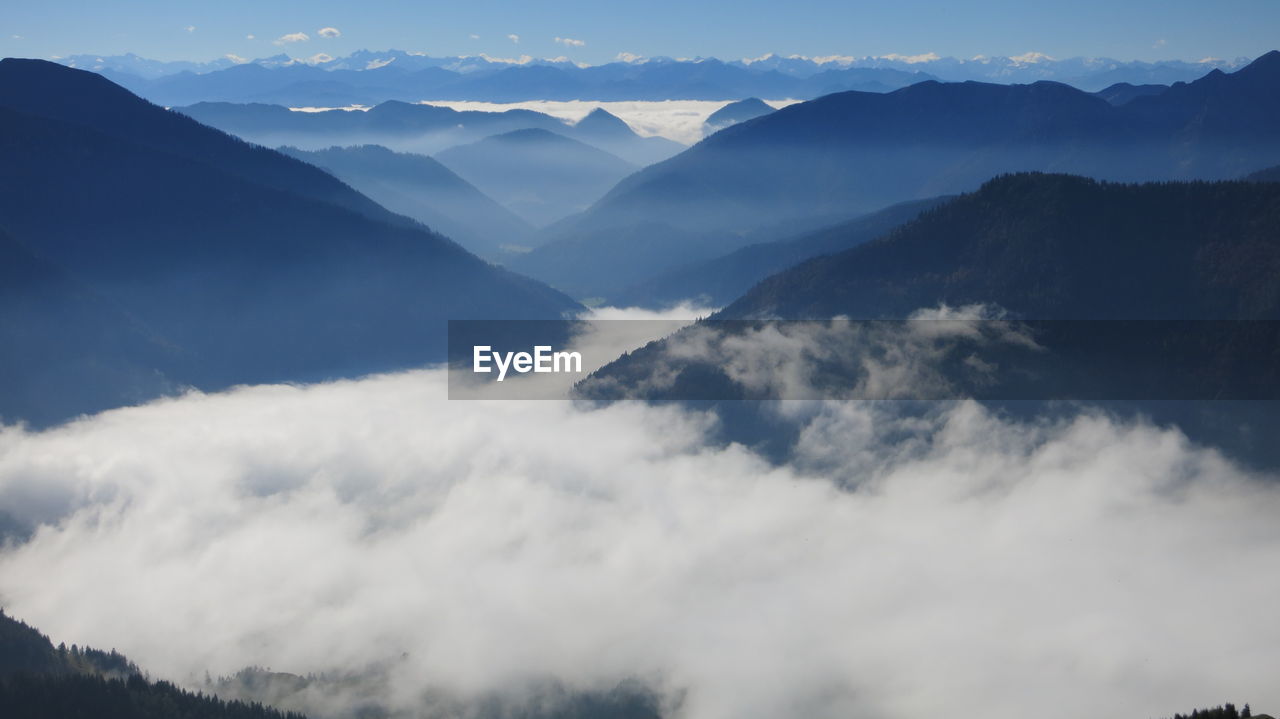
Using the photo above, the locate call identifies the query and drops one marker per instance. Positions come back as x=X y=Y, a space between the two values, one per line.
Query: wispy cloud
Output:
x=318 y=58
x=292 y=38
x=191 y=28
x=329 y=32
x=250 y=36
x=514 y=38
x=570 y=42
x=474 y=36
x=628 y=57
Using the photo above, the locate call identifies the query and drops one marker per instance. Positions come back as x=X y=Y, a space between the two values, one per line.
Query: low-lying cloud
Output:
x=679 y=120
x=949 y=562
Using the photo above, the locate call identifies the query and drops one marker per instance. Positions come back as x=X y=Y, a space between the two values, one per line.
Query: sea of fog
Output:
x=954 y=563
x=679 y=120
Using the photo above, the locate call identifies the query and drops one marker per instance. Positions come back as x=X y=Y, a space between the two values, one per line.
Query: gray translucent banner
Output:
x=918 y=359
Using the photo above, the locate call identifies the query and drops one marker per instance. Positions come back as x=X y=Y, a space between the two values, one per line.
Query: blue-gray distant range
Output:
x=369 y=77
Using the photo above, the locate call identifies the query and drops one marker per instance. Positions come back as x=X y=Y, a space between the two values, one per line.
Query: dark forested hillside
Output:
x=39 y=681
x=1054 y=247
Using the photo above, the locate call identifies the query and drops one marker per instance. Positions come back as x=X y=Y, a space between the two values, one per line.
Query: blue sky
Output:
x=597 y=30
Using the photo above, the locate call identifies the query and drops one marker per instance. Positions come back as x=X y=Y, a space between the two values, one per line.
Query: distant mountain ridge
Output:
x=856 y=152
x=538 y=174
x=419 y=128
x=420 y=187
x=370 y=77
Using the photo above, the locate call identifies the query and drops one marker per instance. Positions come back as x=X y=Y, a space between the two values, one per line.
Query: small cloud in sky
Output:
x=329 y=32
x=16 y=37
x=570 y=42
x=628 y=57
x=250 y=36
x=191 y=28
x=522 y=60
x=291 y=38
x=913 y=59
x=475 y=36
x=1160 y=43
x=514 y=38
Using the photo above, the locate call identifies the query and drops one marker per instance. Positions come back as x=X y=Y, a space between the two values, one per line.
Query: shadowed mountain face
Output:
x=856 y=152
x=539 y=175
x=421 y=188
x=1041 y=247
x=1055 y=247
x=68 y=349
x=252 y=266
x=1122 y=92
x=735 y=112
x=719 y=281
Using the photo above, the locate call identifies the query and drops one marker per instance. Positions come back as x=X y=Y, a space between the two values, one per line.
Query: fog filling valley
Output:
x=679 y=120
x=897 y=564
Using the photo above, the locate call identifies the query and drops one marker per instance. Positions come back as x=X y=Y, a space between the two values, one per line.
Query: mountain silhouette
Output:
x=422 y=188
x=1055 y=247
x=610 y=133
x=719 y=281
x=401 y=126
x=253 y=266
x=734 y=113
x=539 y=175
x=1034 y=247
x=1122 y=92
x=857 y=152
x=1271 y=174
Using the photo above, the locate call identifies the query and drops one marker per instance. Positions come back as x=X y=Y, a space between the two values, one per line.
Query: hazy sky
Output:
x=594 y=31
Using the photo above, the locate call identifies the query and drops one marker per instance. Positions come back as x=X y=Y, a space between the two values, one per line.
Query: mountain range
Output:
x=234 y=263
x=1110 y=257
x=419 y=187
x=540 y=175
x=369 y=77
x=856 y=152
x=1054 y=247
x=420 y=128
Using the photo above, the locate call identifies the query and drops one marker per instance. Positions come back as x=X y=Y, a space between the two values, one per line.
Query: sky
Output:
x=594 y=32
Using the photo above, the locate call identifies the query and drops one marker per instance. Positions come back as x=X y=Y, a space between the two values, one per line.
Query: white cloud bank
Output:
x=679 y=120
x=570 y=42
x=975 y=568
